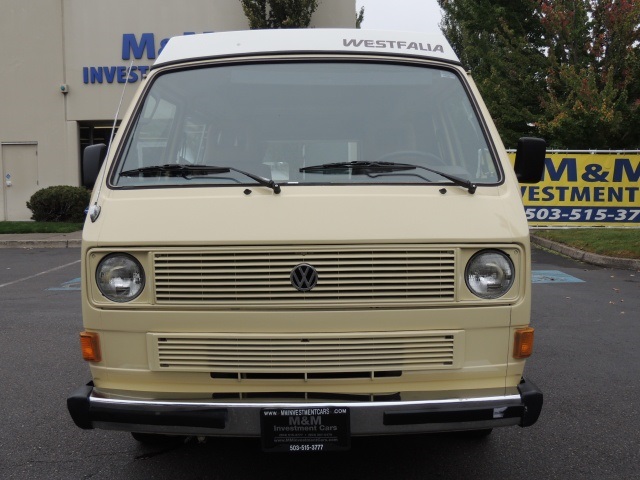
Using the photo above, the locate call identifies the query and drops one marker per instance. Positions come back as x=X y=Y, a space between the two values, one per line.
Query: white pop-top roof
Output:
x=253 y=42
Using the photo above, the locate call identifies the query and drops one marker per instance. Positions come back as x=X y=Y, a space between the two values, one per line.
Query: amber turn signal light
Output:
x=523 y=343
x=90 y=344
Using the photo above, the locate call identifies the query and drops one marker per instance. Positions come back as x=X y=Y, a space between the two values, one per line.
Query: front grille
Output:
x=327 y=354
x=346 y=275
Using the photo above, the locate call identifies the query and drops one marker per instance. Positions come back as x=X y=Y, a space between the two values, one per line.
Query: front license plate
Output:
x=305 y=429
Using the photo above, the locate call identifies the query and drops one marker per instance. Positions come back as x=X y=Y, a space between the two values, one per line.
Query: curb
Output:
x=27 y=244
x=587 y=257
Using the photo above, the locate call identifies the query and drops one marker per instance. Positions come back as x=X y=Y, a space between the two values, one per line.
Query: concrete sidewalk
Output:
x=41 y=240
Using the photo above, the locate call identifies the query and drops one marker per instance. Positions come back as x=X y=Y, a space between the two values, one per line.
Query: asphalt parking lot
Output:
x=586 y=362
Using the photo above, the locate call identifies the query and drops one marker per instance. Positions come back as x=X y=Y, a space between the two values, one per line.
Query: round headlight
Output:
x=120 y=277
x=489 y=274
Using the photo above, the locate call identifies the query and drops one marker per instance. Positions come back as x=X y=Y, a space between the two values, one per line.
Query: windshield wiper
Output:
x=266 y=182
x=173 y=170
x=190 y=171
x=366 y=168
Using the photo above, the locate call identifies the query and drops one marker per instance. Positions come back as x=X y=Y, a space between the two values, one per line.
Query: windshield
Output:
x=275 y=120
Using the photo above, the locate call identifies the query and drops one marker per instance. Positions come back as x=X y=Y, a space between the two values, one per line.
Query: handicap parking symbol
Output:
x=68 y=286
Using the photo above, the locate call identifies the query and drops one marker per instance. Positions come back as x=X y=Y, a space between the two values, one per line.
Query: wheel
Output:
x=156 y=438
x=411 y=153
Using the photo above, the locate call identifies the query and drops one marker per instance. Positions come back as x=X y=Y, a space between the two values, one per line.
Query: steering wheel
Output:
x=411 y=153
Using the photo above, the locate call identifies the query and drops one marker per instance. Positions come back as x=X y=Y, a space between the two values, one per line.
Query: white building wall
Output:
x=78 y=45
x=32 y=107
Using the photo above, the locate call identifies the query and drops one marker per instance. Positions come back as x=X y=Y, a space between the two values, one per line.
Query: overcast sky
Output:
x=417 y=15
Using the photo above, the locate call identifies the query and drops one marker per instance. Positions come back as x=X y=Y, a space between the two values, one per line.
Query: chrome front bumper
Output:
x=400 y=413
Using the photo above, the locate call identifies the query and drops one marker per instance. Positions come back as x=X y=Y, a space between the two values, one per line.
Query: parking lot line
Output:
x=39 y=274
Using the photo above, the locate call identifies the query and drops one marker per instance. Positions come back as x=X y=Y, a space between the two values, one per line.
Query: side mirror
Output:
x=530 y=156
x=92 y=160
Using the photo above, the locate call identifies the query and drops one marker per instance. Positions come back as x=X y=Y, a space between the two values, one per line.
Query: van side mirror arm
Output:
x=529 y=164
x=92 y=160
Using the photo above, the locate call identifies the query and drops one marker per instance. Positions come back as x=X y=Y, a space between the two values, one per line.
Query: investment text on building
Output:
x=133 y=48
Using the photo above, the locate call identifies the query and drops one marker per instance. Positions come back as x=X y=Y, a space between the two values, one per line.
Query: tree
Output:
x=499 y=42
x=593 y=98
x=564 y=69
x=279 y=13
x=359 y=17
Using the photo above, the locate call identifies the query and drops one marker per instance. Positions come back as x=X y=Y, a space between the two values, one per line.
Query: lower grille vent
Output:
x=304 y=376
x=312 y=356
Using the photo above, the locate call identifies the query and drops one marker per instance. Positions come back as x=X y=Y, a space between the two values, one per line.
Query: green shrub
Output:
x=62 y=203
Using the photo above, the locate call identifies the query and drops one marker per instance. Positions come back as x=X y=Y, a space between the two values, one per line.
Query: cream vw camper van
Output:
x=304 y=236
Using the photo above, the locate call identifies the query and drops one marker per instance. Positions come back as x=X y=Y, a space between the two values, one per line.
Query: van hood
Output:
x=307 y=215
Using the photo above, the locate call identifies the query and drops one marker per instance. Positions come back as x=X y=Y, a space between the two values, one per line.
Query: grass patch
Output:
x=613 y=242
x=39 y=227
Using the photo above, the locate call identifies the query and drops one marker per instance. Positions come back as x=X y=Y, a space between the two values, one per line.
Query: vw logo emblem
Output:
x=304 y=277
